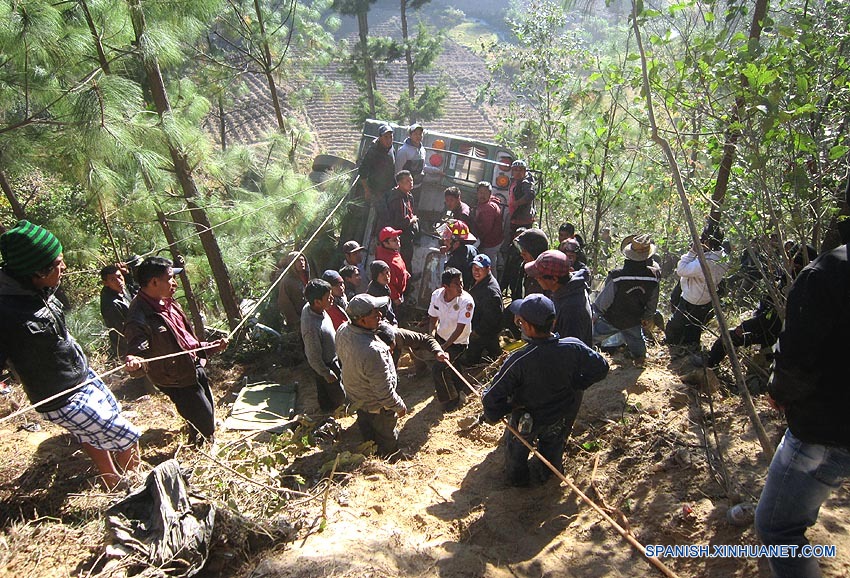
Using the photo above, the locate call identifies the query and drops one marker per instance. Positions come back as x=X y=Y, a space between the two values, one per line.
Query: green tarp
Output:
x=263 y=406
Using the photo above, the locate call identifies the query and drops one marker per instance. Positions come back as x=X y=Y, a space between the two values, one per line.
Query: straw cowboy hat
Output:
x=638 y=247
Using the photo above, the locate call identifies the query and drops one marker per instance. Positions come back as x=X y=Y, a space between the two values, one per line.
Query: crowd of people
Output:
x=351 y=321
x=492 y=254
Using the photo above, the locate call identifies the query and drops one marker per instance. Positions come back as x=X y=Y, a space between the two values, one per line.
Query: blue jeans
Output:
x=800 y=479
x=632 y=335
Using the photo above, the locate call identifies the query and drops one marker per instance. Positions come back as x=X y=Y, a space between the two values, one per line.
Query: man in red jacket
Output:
x=388 y=251
x=488 y=223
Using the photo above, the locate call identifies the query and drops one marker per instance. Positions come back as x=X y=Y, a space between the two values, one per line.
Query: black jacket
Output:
x=487 y=316
x=543 y=378
x=35 y=342
x=113 y=309
x=630 y=294
x=461 y=259
x=809 y=376
x=378 y=169
x=572 y=309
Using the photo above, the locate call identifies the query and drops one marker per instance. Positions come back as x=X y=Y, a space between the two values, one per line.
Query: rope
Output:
x=179 y=353
x=626 y=534
x=97 y=376
x=286 y=269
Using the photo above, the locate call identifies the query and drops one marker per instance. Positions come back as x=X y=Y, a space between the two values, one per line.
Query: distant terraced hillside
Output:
x=459 y=68
x=328 y=117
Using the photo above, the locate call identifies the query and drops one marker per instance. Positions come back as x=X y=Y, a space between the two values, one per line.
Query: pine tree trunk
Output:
x=183 y=173
x=268 y=68
x=194 y=310
x=17 y=207
x=408 y=54
x=101 y=55
x=363 y=27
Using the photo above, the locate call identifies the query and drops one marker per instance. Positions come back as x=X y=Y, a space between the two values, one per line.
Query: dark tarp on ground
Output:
x=162 y=525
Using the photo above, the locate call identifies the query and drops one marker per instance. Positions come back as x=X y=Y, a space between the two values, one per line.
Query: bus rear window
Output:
x=469 y=169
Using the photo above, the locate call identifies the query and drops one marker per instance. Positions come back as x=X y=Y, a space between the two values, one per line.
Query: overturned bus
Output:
x=459 y=161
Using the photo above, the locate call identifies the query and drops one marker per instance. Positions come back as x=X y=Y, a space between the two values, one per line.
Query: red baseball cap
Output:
x=551 y=262
x=389 y=233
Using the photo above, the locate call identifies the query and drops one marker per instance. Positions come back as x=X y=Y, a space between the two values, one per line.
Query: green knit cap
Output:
x=28 y=248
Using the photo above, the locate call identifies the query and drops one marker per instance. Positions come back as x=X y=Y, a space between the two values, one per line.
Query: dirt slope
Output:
x=638 y=447
x=447 y=512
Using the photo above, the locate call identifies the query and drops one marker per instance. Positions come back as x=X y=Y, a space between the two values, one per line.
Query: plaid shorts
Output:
x=94 y=417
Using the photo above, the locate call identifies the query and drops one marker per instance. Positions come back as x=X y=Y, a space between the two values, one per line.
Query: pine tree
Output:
x=361 y=53
x=183 y=168
x=420 y=53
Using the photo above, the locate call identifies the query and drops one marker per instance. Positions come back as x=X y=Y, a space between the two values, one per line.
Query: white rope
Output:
x=286 y=269
x=179 y=353
x=97 y=376
x=253 y=211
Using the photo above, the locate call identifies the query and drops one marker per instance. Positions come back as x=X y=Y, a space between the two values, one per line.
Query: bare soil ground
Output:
x=644 y=445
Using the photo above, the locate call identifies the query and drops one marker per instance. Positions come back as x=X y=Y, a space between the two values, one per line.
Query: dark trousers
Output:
x=446 y=382
x=754 y=332
x=406 y=252
x=331 y=395
x=478 y=344
x=379 y=428
x=195 y=403
x=685 y=327
x=512 y=273
x=509 y=322
x=551 y=441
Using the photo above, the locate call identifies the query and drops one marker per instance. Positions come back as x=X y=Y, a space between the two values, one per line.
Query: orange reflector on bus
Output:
x=502 y=182
x=439 y=144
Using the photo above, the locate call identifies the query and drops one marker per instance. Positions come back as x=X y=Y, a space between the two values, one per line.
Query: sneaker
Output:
x=741 y=514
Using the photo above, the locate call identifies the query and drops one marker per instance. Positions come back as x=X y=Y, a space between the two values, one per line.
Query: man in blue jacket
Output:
x=539 y=386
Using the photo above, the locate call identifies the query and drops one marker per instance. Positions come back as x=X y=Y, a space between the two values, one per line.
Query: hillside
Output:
x=328 y=118
x=640 y=447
